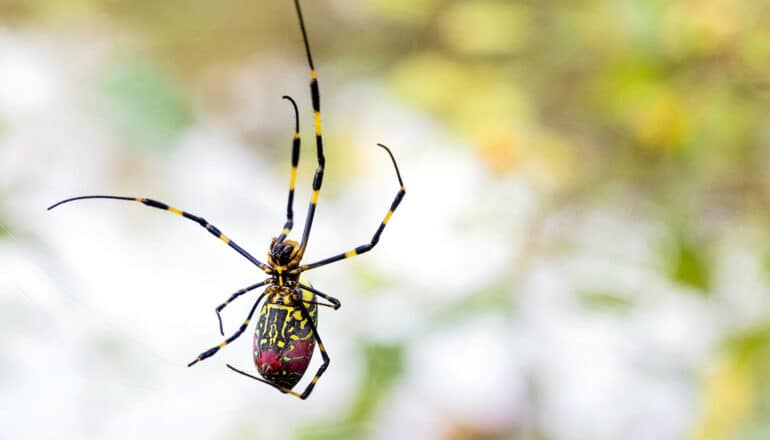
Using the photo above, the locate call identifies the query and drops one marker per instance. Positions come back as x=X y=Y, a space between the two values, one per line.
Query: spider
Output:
x=287 y=327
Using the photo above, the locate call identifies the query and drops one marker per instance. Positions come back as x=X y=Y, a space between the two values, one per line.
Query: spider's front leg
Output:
x=376 y=238
x=213 y=230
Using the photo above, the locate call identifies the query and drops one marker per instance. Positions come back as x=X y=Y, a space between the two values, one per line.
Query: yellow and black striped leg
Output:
x=213 y=350
x=294 y=163
x=319 y=172
x=318 y=374
x=160 y=205
x=335 y=303
x=233 y=297
x=376 y=238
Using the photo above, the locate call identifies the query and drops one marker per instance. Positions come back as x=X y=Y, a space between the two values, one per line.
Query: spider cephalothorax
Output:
x=284 y=253
x=284 y=258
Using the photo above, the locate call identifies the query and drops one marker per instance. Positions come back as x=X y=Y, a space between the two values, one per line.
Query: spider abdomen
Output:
x=283 y=339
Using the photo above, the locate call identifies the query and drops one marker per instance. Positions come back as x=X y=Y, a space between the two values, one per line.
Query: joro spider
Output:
x=285 y=335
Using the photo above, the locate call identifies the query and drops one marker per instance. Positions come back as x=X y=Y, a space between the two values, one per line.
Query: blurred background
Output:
x=582 y=253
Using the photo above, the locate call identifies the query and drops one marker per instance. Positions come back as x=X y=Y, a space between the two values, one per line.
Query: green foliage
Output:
x=751 y=346
x=689 y=264
x=4 y=231
x=486 y=28
x=605 y=301
x=495 y=298
x=145 y=105
x=766 y=264
x=383 y=364
x=370 y=280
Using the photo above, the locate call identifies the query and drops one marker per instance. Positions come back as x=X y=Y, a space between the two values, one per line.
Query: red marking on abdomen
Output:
x=268 y=362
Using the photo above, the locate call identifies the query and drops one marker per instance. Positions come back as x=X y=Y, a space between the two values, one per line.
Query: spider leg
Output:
x=335 y=303
x=316 y=98
x=256 y=378
x=318 y=303
x=294 y=163
x=213 y=350
x=160 y=205
x=376 y=238
x=233 y=297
